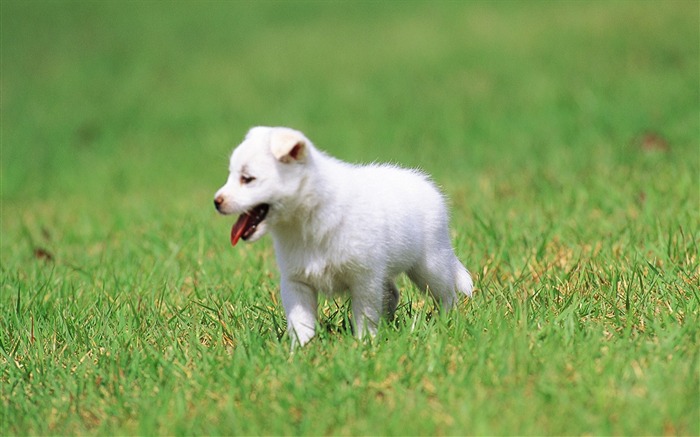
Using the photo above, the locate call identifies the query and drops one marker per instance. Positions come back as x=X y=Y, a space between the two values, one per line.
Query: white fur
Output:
x=340 y=228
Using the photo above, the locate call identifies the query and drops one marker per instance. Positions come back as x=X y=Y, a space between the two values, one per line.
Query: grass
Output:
x=567 y=136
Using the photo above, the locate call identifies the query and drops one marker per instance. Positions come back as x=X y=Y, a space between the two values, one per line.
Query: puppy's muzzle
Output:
x=218 y=201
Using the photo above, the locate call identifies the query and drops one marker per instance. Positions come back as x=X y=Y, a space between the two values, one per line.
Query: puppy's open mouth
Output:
x=248 y=222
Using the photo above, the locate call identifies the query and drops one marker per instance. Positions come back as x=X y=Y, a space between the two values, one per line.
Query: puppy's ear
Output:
x=288 y=146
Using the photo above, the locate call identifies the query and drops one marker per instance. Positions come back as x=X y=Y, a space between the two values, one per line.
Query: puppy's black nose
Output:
x=218 y=201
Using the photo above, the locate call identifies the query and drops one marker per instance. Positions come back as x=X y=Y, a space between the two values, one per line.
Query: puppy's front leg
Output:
x=300 y=304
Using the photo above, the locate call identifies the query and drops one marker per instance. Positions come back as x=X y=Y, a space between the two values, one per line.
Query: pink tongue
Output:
x=238 y=228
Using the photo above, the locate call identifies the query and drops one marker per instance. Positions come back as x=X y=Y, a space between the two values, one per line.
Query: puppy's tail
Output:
x=463 y=280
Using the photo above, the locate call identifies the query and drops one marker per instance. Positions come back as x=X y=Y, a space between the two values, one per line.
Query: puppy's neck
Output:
x=315 y=212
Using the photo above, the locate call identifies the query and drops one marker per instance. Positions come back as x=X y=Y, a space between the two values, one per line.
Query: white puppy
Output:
x=340 y=228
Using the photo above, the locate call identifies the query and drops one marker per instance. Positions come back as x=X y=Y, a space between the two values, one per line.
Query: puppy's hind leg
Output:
x=391 y=299
x=368 y=302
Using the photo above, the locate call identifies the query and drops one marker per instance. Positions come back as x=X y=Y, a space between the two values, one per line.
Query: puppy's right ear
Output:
x=288 y=146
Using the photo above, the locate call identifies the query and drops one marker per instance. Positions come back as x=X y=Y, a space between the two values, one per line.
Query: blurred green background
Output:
x=105 y=98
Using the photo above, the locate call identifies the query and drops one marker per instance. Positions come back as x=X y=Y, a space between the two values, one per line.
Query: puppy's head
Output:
x=265 y=170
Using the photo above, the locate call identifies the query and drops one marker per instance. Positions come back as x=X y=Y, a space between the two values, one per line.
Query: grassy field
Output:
x=566 y=134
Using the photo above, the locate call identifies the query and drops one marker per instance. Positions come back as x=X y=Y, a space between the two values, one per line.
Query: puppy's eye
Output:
x=246 y=179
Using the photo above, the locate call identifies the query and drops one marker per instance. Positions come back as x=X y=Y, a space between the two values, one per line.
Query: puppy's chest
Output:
x=321 y=272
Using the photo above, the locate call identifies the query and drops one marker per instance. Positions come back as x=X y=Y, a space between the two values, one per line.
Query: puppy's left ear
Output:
x=288 y=147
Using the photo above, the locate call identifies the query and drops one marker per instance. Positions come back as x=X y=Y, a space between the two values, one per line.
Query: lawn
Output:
x=565 y=134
